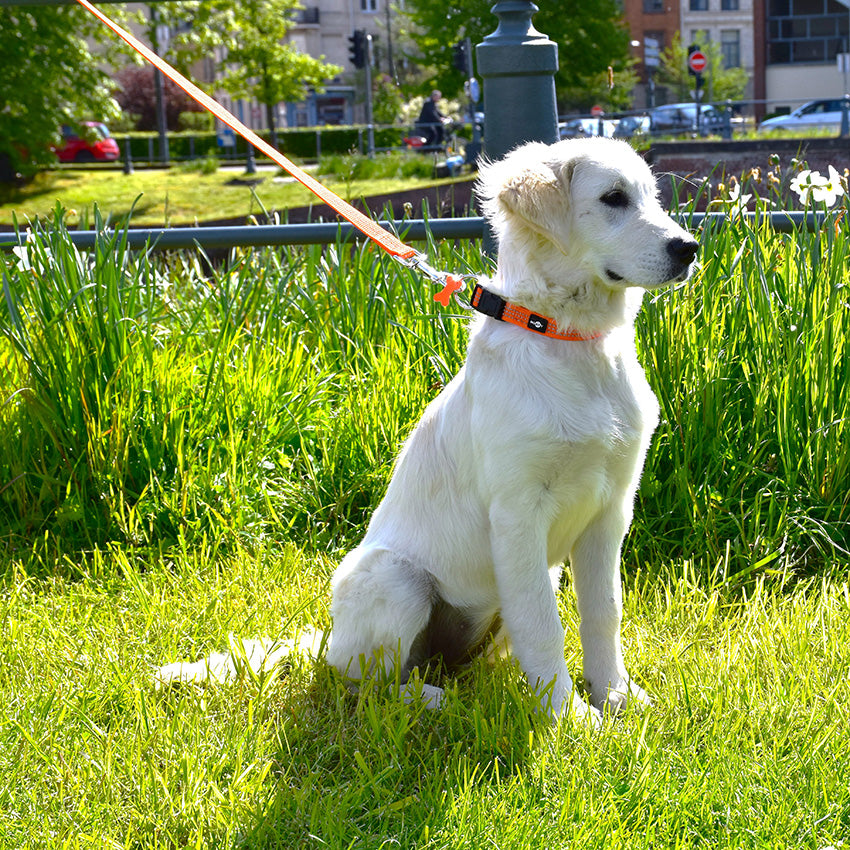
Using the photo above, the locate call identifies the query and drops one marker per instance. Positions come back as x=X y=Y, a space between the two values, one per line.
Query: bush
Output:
x=150 y=400
x=298 y=144
x=392 y=164
x=195 y=122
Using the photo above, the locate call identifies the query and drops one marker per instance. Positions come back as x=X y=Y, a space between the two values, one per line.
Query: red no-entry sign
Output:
x=697 y=61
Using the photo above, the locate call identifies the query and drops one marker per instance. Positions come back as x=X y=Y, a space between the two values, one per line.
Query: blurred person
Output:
x=431 y=122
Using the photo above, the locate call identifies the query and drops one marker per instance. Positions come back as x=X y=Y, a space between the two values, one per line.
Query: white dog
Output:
x=532 y=454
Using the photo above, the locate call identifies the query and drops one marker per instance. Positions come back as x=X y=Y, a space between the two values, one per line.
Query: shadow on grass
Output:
x=365 y=770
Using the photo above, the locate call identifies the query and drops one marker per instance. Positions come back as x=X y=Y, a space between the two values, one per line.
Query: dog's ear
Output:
x=523 y=184
x=531 y=192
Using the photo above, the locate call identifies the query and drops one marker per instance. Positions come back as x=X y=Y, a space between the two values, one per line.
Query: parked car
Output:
x=632 y=125
x=682 y=118
x=814 y=115
x=91 y=142
x=578 y=128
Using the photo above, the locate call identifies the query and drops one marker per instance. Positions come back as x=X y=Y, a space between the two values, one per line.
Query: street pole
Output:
x=390 y=62
x=369 y=125
x=517 y=65
x=161 y=119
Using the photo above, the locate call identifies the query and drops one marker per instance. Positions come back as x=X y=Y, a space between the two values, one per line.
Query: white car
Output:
x=578 y=128
x=814 y=115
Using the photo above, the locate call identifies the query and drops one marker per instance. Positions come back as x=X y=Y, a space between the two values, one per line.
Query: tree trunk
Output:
x=270 y=118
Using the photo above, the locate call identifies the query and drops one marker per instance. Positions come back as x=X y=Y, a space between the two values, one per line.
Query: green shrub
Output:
x=386 y=165
x=150 y=400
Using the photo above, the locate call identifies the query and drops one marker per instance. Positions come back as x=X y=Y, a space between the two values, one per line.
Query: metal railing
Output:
x=329 y=233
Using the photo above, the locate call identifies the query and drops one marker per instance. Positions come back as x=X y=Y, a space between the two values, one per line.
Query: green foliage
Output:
x=151 y=402
x=195 y=122
x=590 y=37
x=183 y=449
x=393 y=164
x=757 y=345
x=261 y=62
x=388 y=101
x=50 y=77
x=205 y=165
x=298 y=143
x=147 y=405
x=720 y=83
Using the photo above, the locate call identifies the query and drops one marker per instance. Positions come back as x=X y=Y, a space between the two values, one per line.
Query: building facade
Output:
x=727 y=23
x=323 y=28
x=655 y=21
x=803 y=39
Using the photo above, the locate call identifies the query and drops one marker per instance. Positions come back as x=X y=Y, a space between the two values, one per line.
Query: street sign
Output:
x=697 y=61
x=652 y=52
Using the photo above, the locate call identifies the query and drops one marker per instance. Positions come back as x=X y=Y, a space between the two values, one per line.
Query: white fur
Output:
x=531 y=456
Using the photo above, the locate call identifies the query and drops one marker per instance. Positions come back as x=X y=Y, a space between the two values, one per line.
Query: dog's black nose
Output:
x=683 y=250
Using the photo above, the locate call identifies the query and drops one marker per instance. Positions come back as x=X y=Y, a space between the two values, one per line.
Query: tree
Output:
x=590 y=35
x=49 y=77
x=261 y=64
x=720 y=83
x=137 y=96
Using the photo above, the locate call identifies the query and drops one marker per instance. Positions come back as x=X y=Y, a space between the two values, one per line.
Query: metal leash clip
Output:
x=451 y=284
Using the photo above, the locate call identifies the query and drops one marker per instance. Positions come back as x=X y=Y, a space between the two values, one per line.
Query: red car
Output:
x=97 y=145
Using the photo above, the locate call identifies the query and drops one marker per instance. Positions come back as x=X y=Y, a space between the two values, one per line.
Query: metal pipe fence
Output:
x=329 y=233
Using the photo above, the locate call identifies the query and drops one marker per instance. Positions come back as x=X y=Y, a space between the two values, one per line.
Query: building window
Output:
x=652 y=6
x=368 y=5
x=805 y=31
x=699 y=5
x=729 y=5
x=730 y=47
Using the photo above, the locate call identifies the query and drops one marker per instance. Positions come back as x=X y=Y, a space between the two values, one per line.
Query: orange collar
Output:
x=496 y=307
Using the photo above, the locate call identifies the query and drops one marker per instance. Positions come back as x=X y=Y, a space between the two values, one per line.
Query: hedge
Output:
x=298 y=143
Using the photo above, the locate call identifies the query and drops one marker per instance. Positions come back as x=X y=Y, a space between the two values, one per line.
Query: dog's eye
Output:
x=615 y=198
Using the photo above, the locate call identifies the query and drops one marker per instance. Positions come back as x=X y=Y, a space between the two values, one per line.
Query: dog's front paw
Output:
x=415 y=692
x=620 y=694
x=576 y=710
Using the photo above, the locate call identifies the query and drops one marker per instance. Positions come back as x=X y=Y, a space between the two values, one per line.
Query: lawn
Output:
x=176 y=196
x=185 y=453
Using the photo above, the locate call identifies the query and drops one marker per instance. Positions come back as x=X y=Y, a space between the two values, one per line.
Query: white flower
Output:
x=737 y=201
x=830 y=188
x=22 y=253
x=804 y=183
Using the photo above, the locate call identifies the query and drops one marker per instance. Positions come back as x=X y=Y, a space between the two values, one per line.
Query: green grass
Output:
x=185 y=453
x=182 y=196
x=746 y=745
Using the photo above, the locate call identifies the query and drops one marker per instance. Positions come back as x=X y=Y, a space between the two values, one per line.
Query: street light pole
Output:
x=517 y=65
x=159 y=42
x=369 y=125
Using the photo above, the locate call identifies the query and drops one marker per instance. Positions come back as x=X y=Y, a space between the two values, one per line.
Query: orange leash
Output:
x=367 y=226
x=451 y=284
x=362 y=222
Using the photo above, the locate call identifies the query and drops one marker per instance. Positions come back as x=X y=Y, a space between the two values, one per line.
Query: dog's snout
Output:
x=683 y=251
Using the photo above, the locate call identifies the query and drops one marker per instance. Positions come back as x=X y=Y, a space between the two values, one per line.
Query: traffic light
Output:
x=697 y=75
x=357 y=50
x=692 y=48
x=460 y=57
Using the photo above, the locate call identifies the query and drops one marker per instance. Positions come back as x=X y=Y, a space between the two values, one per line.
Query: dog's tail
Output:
x=252 y=656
